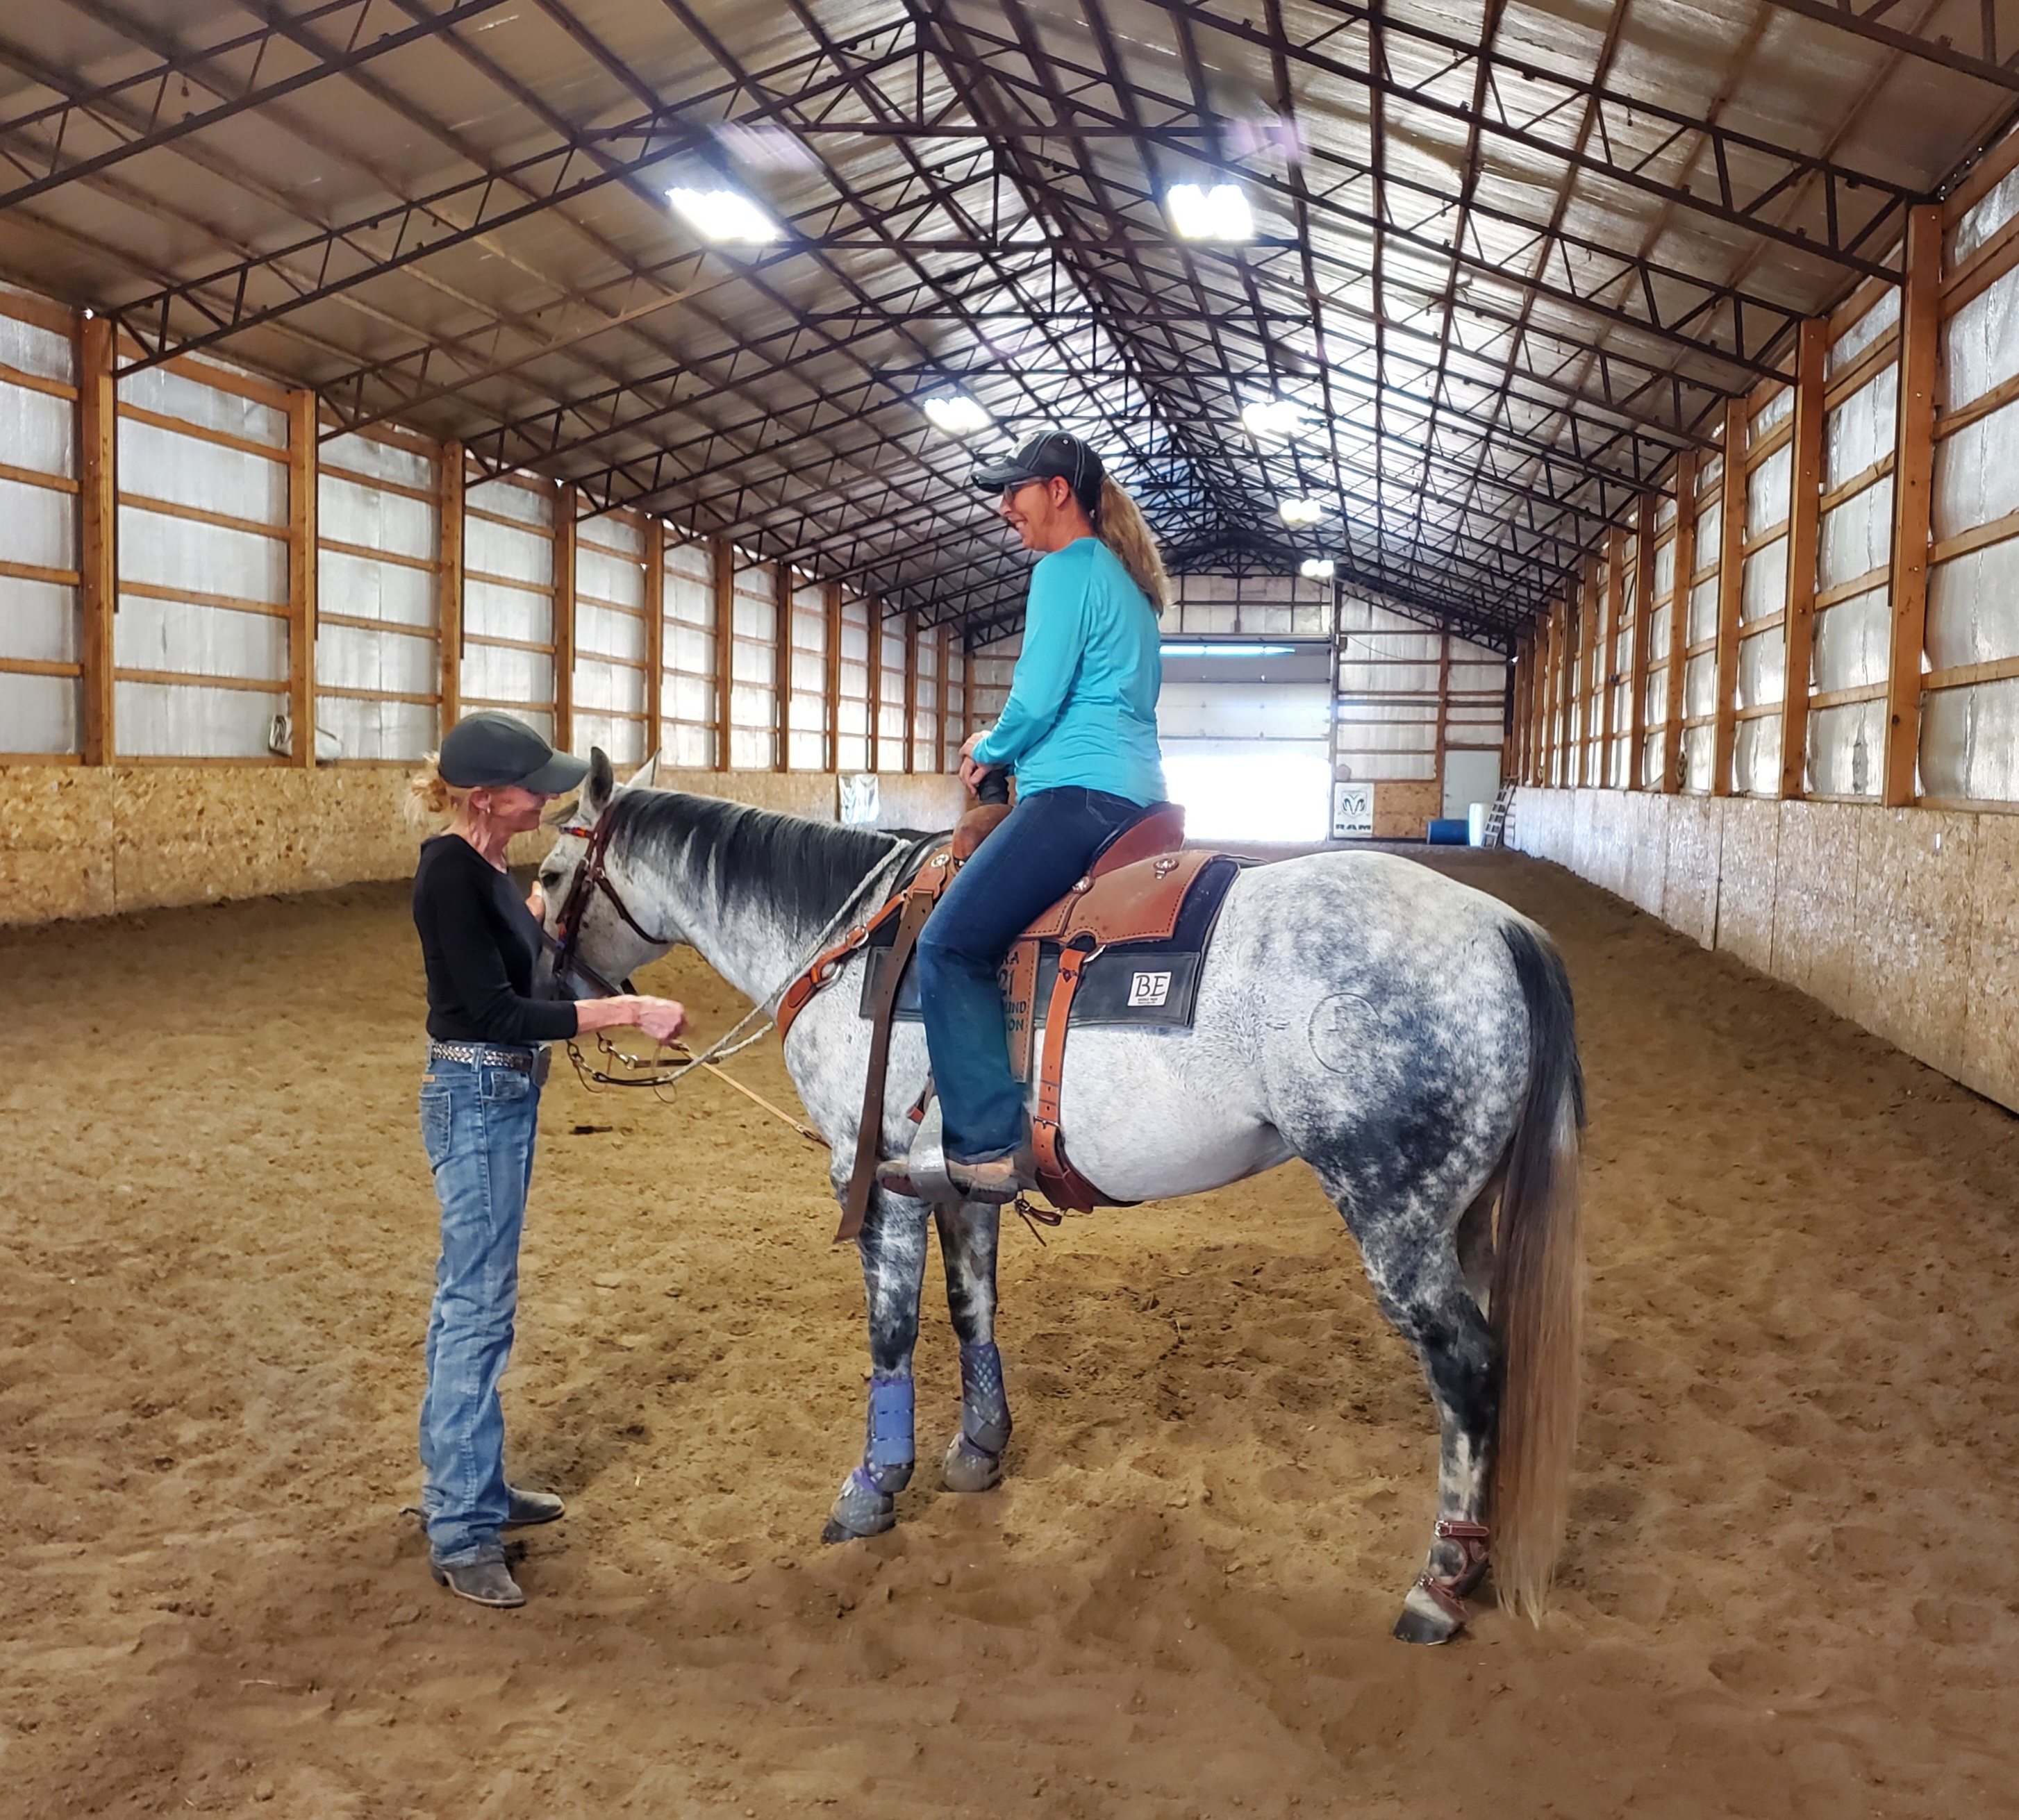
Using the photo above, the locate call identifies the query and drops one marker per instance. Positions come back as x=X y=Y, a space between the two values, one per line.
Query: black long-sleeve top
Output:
x=480 y=942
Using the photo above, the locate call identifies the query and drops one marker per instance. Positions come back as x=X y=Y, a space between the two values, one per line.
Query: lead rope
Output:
x=728 y=1044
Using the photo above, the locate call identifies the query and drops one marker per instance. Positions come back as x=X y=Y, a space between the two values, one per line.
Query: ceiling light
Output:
x=1218 y=214
x=956 y=415
x=1205 y=650
x=1318 y=568
x=1272 y=416
x=1300 y=511
x=724 y=215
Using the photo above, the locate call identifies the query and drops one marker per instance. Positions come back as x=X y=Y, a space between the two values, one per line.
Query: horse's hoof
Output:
x=1425 y=1620
x=968 y=1468
x=863 y=1509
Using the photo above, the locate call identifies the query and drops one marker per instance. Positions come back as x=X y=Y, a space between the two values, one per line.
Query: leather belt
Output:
x=533 y=1061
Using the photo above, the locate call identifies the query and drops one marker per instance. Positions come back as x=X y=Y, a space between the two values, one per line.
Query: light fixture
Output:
x=1272 y=416
x=1300 y=511
x=1318 y=568
x=1218 y=214
x=724 y=215
x=957 y=414
x=1205 y=650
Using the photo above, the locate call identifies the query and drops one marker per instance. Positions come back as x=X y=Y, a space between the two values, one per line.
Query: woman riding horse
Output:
x=1079 y=732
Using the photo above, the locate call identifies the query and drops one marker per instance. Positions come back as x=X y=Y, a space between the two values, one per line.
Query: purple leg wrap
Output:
x=890 y=1443
x=985 y=1407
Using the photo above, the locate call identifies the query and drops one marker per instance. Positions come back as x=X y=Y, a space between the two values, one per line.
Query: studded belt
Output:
x=533 y=1061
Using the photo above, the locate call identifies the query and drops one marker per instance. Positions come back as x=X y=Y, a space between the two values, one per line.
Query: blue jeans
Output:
x=1032 y=861
x=478 y=1121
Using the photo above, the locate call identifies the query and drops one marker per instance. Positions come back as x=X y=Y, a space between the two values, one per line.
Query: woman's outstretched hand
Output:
x=663 y=1019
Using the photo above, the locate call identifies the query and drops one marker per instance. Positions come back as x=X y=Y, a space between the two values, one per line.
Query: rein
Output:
x=592 y=877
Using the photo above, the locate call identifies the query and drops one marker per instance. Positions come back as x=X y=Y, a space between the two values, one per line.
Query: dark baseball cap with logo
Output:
x=488 y=750
x=1050 y=454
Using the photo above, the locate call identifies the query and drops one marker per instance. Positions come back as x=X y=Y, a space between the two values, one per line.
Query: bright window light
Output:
x=1218 y=214
x=1300 y=511
x=956 y=415
x=1318 y=568
x=1273 y=417
x=1203 y=650
x=1251 y=796
x=724 y=215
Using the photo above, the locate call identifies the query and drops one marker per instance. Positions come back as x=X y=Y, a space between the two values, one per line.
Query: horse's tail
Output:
x=1537 y=1286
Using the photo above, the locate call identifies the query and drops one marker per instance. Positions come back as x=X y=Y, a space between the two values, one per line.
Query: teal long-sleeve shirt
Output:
x=1082 y=705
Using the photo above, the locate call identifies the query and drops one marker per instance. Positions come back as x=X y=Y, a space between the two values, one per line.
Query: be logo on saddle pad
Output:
x=1149 y=989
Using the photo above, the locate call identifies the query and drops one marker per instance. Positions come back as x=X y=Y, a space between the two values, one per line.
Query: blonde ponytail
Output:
x=1121 y=526
x=430 y=796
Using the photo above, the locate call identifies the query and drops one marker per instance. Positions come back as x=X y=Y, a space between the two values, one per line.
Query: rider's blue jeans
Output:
x=1032 y=860
x=477 y=1120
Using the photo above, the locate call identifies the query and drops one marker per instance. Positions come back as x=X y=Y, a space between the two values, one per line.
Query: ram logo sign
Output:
x=1352 y=810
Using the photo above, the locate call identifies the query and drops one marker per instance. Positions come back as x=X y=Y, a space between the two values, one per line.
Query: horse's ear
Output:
x=646 y=776
x=599 y=786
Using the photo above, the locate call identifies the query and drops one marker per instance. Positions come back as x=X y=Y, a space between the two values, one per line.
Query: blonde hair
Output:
x=1120 y=524
x=430 y=796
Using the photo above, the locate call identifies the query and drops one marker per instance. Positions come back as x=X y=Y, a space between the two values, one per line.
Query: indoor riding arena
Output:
x=1583 y=442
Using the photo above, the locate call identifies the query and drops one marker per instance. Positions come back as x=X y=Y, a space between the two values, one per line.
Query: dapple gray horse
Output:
x=1410 y=1038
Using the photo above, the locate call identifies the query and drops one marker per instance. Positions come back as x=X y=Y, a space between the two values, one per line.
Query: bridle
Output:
x=590 y=878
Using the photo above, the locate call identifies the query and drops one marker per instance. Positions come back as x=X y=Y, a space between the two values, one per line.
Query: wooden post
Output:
x=911 y=689
x=1636 y=669
x=1608 y=678
x=654 y=532
x=943 y=662
x=448 y=584
x=564 y=548
x=1553 y=694
x=1443 y=710
x=302 y=428
x=722 y=555
x=1913 y=475
x=1591 y=632
x=1679 y=617
x=873 y=612
x=1798 y=630
x=966 y=695
x=781 y=667
x=1731 y=594
x=97 y=535
x=833 y=681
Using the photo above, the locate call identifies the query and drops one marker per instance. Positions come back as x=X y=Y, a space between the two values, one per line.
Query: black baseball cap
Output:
x=1050 y=454
x=488 y=750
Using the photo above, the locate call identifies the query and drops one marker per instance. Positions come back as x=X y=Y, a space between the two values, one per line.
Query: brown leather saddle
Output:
x=1136 y=891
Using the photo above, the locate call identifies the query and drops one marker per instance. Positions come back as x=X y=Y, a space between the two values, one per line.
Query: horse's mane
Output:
x=809 y=868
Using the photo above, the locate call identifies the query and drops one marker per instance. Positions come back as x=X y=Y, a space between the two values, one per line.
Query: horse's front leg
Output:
x=893 y=1244
x=967 y=1236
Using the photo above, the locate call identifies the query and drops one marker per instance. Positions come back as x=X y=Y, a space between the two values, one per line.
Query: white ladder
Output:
x=1496 y=819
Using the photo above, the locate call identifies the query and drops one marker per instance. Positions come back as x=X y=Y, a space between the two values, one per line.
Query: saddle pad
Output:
x=1154 y=984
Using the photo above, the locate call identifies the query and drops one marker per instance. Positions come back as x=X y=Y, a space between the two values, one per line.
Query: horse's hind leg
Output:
x=968 y=1237
x=1413 y=1263
x=894 y=1268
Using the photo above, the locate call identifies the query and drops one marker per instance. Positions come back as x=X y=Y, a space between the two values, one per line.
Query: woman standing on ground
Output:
x=480 y=1107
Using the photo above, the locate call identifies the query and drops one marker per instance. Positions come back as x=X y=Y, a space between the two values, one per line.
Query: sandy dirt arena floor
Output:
x=1790 y=1588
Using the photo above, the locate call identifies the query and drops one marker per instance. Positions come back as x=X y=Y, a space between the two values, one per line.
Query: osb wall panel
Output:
x=1648 y=852
x=1914 y=894
x=1750 y=849
x=1990 y=1061
x=1689 y=898
x=1403 y=808
x=1906 y=920
x=90 y=842
x=1815 y=908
